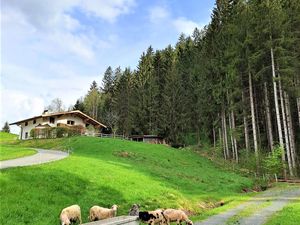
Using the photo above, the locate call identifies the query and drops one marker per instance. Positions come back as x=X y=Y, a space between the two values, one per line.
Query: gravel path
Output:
x=277 y=199
x=42 y=156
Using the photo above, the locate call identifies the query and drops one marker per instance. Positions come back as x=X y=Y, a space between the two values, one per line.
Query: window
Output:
x=26 y=123
x=70 y=122
x=51 y=119
x=34 y=122
x=26 y=135
x=86 y=125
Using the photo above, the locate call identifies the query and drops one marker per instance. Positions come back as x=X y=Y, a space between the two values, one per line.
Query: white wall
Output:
x=58 y=119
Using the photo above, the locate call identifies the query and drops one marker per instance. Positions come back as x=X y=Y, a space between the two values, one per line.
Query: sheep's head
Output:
x=190 y=222
x=114 y=207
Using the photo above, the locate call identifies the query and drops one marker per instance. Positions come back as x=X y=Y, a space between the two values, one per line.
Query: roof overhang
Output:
x=82 y=115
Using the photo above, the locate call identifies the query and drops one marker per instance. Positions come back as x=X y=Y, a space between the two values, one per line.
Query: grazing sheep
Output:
x=134 y=211
x=177 y=215
x=70 y=214
x=153 y=217
x=99 y=213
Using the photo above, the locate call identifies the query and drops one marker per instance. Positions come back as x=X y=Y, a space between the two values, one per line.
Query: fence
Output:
x=107 y=135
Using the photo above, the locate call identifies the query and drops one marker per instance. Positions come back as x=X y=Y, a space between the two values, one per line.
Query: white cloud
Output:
x=183 y=25
x=107 y=9
x=157 y=14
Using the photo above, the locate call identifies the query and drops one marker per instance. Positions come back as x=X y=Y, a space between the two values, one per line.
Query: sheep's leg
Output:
x=80 y=221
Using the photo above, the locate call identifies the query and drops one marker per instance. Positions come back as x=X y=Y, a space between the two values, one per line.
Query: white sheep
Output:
x=70 y=214
x=100 y=213
x=176 y=215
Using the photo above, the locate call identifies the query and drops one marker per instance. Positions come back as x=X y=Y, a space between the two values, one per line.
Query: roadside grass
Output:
x=289 y=215
x=7 y=151
x=12 y=152
x=109 y=171
x=246 y=212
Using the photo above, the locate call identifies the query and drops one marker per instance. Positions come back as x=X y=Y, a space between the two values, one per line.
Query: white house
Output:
x=69 y=119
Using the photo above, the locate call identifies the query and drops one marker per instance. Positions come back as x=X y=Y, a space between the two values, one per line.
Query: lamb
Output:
x=134 y=211
x=100 y=213
x=152 y=217
x=70 y=214
x=177 y=215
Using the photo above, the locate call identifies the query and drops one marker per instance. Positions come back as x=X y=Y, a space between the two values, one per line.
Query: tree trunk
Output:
x=298 y=107
x=277 y=112
x=231 y=136
x=276 y=103
x=291 y=132
x=214 y=136
x=268 y=115
x=225 y=134
x=253 y=117
x=286 y=135
x=234 y=138
x=245 y=124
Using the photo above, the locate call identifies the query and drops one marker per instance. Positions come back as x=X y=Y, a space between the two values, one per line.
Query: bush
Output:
x=56 y=132
x=273 y=163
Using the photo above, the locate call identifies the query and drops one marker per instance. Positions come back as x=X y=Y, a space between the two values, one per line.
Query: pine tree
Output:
x=6 y=128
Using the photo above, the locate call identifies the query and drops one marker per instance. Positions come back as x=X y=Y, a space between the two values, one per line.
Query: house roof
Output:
x=76 y=112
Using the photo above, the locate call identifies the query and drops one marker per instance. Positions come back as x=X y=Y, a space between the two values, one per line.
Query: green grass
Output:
x=289 y=215
x=8 y=151
x=7 y=137
x=108 y=171
x=248 y=211
x=12 y=152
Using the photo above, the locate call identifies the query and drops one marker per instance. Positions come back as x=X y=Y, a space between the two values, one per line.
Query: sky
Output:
x=56 y=48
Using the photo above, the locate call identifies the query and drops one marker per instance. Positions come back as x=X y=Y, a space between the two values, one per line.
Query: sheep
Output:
x=177 y=215
x=100 y=213
x=153 y=217
x=134 y=211
x=70 y=214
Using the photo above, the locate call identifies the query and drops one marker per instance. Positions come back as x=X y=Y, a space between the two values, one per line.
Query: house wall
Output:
x=58 y=119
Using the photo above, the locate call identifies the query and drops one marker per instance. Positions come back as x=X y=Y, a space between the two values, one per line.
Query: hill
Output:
x=110 y=171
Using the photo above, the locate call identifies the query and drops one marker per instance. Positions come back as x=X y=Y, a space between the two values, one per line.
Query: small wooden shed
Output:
x=153 y=139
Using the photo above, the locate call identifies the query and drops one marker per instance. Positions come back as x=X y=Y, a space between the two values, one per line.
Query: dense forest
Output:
x=234 y=84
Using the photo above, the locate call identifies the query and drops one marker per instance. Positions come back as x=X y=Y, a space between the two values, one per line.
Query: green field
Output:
x=8 y=151
x=289 y=215
x=110 y=171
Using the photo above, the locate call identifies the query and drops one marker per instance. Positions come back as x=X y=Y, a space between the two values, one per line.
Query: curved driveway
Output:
x=42 y=156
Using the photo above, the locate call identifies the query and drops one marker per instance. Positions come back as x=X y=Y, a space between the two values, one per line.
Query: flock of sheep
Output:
x=72 y=214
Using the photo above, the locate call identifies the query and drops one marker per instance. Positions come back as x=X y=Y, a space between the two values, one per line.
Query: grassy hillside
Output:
x=108 y=171
x=11 y=152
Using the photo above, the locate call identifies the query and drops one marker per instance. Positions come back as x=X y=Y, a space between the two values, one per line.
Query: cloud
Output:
x=108 y=10
x=185 y=26
x=157 y=14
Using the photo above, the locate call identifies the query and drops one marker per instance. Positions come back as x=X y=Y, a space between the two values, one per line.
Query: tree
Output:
x=56 y=105
x=92 y=101
x=79 y=105
x=6 y=128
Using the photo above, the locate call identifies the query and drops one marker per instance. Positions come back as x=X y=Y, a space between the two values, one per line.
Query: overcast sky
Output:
x=56 y=48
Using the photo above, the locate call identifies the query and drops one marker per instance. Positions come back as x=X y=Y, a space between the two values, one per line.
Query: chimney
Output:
x=46 y=111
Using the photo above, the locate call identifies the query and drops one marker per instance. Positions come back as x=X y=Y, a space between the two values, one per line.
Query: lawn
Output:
x=109 y=171
x=8 y=151
x=12 y=152
x=289 y=215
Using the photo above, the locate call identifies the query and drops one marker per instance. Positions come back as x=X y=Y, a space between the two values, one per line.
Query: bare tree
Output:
x=56 y=105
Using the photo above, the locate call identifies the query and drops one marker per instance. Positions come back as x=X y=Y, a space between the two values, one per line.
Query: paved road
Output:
x=277 y=199
x=42 y=156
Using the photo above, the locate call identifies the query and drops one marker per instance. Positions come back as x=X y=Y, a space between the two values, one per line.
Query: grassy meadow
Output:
x=109 y=171
x=8 y=151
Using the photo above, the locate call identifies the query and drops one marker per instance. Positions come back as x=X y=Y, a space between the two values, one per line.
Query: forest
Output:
x=234 y=84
